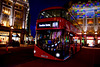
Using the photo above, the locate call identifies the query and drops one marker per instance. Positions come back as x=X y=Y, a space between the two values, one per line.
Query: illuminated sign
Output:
x=44 y=25
x=48 y=24
x=75 y=37
x=4 y=33
x=90 y=37
x=98 y=37
x=55 y=24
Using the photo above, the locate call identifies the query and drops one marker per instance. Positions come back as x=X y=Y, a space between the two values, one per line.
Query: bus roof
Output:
x=57 y=7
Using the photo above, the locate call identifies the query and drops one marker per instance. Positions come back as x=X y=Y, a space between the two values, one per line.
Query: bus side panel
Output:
x=73 y=46
x=78 y=47
x=42 y=54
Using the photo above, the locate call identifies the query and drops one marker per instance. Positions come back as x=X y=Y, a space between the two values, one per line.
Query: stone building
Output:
x=13 y=21
x=87 y=15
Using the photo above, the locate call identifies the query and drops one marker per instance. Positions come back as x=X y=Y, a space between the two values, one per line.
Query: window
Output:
x=90 y=21
x=9 y=3
x=16 y=36
x=50 y=39
x=20 y=7
x=18 y=25
x=50 y=13
x=99 y=20
x=16 y=6
x=4 y=37
x=6 y=11
x=5 y=22
x=25 y=0
x=80 y=21
x=5 y=1
x=18 y=14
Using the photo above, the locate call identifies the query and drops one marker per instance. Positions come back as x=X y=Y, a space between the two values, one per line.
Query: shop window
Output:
x=4 y=37
x=98 y=41
x=16 y=37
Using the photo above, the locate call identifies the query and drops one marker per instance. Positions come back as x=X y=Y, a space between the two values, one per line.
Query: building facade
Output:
x=87 y=15
x=13 y=21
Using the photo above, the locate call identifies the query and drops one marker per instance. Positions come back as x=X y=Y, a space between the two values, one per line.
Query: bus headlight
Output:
x=34 y=51
x=52 y=45
x=56 y=44
x=57 y=54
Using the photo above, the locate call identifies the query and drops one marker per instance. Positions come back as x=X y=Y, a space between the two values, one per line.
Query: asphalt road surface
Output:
x=24 y=58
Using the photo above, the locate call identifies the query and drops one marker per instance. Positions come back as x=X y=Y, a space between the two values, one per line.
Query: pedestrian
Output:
x=6 y=46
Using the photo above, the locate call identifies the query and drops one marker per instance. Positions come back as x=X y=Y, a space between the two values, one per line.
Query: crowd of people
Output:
x=14 y=43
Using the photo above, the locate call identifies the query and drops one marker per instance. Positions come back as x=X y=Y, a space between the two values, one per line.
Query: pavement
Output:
x=10 y=49
x=15 y=55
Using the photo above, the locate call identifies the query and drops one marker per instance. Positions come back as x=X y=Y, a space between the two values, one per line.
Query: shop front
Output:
x=4 y=38
x=16 y=36
x=98 y=40
x=90 y=41
x=8 y=35
x=28 y=39
x=77 y=39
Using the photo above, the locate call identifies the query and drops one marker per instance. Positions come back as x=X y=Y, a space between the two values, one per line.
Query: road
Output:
x=25 y=58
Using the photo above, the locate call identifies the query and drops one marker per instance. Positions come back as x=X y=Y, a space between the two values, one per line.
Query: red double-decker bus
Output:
x=56 y=37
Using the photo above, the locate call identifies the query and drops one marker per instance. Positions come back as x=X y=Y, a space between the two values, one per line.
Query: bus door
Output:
x=67 y=45
x=76 y=41
x=64 y=44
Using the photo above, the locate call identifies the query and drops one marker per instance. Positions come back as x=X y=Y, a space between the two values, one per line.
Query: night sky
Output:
x=37 y=5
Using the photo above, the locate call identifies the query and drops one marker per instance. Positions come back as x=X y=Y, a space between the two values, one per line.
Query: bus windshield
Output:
x=50 y=39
